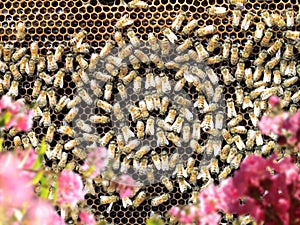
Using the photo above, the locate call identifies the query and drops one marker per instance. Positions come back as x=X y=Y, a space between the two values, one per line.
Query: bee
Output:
x=156 y=161
x=289 y=17
x=213 y=166
x=196 y=133
x=58 y=54
x=117 y=111
x=246 y=22
x=69 y=67
x=261 y=58
x=51 y=63
x=239 y=93
x=227 y=77
x=291 y=69
x=95 y=88
x=201 y=51
x=182 y=58
x=275 y=46
x=46 y=78
x=224 y=173
x=236 y=17
x=204 y=174
x=14 y=89
x=266 y=149
x=93 y=61
x=150 y=174
x=135 y=62
x=265 y=42
x=194 y=199
x=36 y=88
x=177 y=125
x=125 y=51
x=107 y=107
x=119 y=38
x=127 y=133
x=247 y=49
x=21 y=31
x=157 y=61
x=63 y=101
x=247 y=103
x=149 y=130
x=240 y=70
x=30 y=67
x=167 y=183
x=238 y=130
x=213 y=43
x=231 y=155
x=183 y=184
x=123 y=22
x=174 y=160
x=57 y=151
x=110 y=68
x=176 y=25
x=15 y=72
x=99 y=119
x=292 y=35
x=83 y=126
x=108 y=91
x=106 y=138
x=71 y=115
x=46 y=118
x=108 y=200
x=150 y=82
x=278 y=20
x=34 y=50
x=217 y=11
x=293 y=108
x=3 y=67
x=267 y=18
x=63 y=160
x=239 y=142
x=137 y=84
x=227 y=136
x=23 y=63
x=164 y=161
x=134 y=40
x=50 y=133
x=78 y=37
x=156 y=100
x=188 y=115
x=219 y=120
x=132 y=144
x=135 y=112
x=17 y=141
x=106 y=49
x=235 y=121
x=289 y=82
x=207 y=123
x=187 y=29
x=297 y=19
x=160 y=199
x=142 y=167
x=7 y=52
x=226 y=48
x=52 y=98
x=274 y=61
x=82 y=62
x=142 y=151
x=161 y=138
x=259 y=31
x=214 y=59
x=165 y=46
x=18 y=54
x=152 y=40
x=296 y=97
x=196 y=147
x=234 y=54
x=203 y=31
x=172 y=65
x=286 y=98
x=231 y=112
x=190 y=165
x=250 y=139
x=143 y=109
x=170 y=35
x=186 y=133
x=139 y=199
x=87 y=98
x=185 y=45
x=33 y=139
x=122 y=91
x=170 y=118
x=288 y=53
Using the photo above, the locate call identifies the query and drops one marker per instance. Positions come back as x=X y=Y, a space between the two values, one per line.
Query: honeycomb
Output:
x=51 y=23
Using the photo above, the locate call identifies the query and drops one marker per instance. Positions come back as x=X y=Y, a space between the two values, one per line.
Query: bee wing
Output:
x=27 y=68
x=126 y=201
x=89 y=188
x=61 y=84
x=172 y=37
x=189 y=77
x=79 y=43
x=109 y=207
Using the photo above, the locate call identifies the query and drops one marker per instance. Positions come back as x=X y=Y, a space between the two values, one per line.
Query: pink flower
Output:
x=125 y=186
x=42 y=213
x=86 y=218
x=274 y=100
x=15 y=188
x=70 y=188
x=27 y=158
x=98 y=159
x=5 y=102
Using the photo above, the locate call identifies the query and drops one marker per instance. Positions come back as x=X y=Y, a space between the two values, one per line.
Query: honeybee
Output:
x=88 y=100
x=21 y=31
x=99 y=119
x=275 y=46
x=236 y=17
x=93 y=61
x=50 y=133
x=132 y=144
x=213 y=43
x=207 y=123
x=135 y=62
x=288 y=53
x=23 y=63
x=278 y=20
x=157 y=61
x=122 y=91
x=191 y=25
x=267 y=18
x=266 y=149
x=142 y=167
x=7 y=52
x=196 y=147
x=227 y=77
x=292 y=35
x=3 y=67
x=123 y=22
x=33 y=139
x=174 y=139
x=58 y=54
x=134 y=40
x=297 y=19
x=52 y=98
x=96 y=88
x=203 y=31
x=106 y=138
x=289 y=17
x=201 y=51
x=247 y=103
x=196 y=133
x=224 y=173
x=77 y=39
x=127 y=133
x=150 y=174
x=265 y=42
x=161 y=138
x=82 y=62
x=183 y=184
x=18 y=54
x=247 y=49
x=177 y=125
x=15 y=72
x=156 y=100
x=107 y=107
x=17 y=141
x=125 y=51
x=13 y=132
x=34 y=50
x=57 y=151
x=226 y=48
x=239 y=93
x=172 y=65
x=30 y=67
x=261 y=58
x=185 y=45
x=137 y=84
x=144 y=110
x=291 y=69
x=289 y=82
x=217 y=11
x=46 y=78
x=51 y=63
x=63 y=101
x=139 y=199
x=63 y=160
x=117 y=111
x=165 y=46
x=231 y=112
x=234 y=54
x=152 y=40
x=14 y=89
x=178 y=21
x=296 y=97
x=164 y=105
x=160 y=199
x=69 y=67
x=239 y=142
x=149 y=130
x=83 y=126
x=119 y=38
x=106 y=49
x=46 y=118
x=204 y=174
x=273 y=62
x=259 y=31
x=71 y=115
x=246 y=22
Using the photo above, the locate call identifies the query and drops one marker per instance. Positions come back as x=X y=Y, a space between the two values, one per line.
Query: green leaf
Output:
x=38 y=176
x=44 y=187
x=55 y=191
x=5 y=119
x=41 y=152
x=154 y=220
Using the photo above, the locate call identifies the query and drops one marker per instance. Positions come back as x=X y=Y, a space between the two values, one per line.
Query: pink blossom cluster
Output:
x=96 y=161
x=15 y=114
x=17 y=193
x=70 y=188
x=286 y=126
x=86 y=218
x=266 y=189
x=125 y=185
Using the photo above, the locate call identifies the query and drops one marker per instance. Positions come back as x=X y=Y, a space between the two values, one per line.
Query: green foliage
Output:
x=155 y=220
x=41 y=151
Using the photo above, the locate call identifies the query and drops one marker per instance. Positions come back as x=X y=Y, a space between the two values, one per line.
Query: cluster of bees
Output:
x=109 y=73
